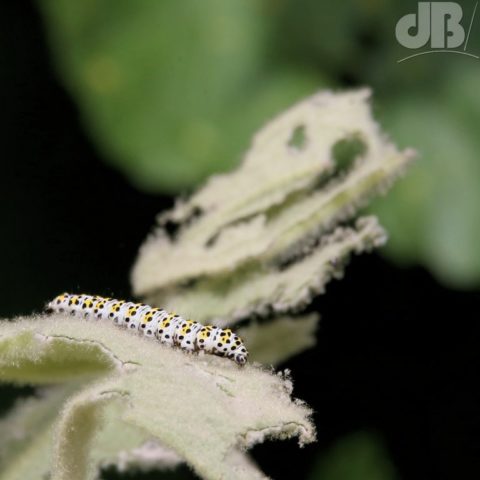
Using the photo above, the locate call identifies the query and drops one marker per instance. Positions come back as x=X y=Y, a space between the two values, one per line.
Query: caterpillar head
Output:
x=240 y=354
x=241 y=358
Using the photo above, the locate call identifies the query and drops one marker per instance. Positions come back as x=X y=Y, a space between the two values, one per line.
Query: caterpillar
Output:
x=167 y=328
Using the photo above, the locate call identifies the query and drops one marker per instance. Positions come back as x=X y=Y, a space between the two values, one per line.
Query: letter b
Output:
x=446 y=17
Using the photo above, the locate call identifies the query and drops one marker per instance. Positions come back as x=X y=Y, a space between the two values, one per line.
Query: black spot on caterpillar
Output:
x=167 y=328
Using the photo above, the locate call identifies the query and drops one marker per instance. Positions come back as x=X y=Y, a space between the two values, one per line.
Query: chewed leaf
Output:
x=279 y=289
x=266 y=238
x=296 y=182
x=200 y=409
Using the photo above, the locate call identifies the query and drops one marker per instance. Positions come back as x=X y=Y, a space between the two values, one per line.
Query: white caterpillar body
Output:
x=167 y=328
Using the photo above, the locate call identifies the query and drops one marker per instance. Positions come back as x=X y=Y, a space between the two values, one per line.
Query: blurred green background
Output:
x=172 y=91
x=169 y=92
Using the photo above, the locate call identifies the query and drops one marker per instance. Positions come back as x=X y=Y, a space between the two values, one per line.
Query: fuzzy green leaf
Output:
x=25 y=443
x=29 y=430
x=201 y=409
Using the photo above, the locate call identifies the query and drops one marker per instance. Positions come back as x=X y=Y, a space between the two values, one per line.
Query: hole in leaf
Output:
x=346 y=151
x=172 y=228
x=298 y=139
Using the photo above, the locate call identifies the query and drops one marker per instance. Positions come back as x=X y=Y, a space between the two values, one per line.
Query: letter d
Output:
x=410 y=21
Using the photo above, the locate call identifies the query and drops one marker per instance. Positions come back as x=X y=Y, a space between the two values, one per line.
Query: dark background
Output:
x=397 y=353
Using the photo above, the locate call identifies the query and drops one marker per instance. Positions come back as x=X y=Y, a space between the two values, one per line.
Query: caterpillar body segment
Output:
x=150 y=321
x=168 y=328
